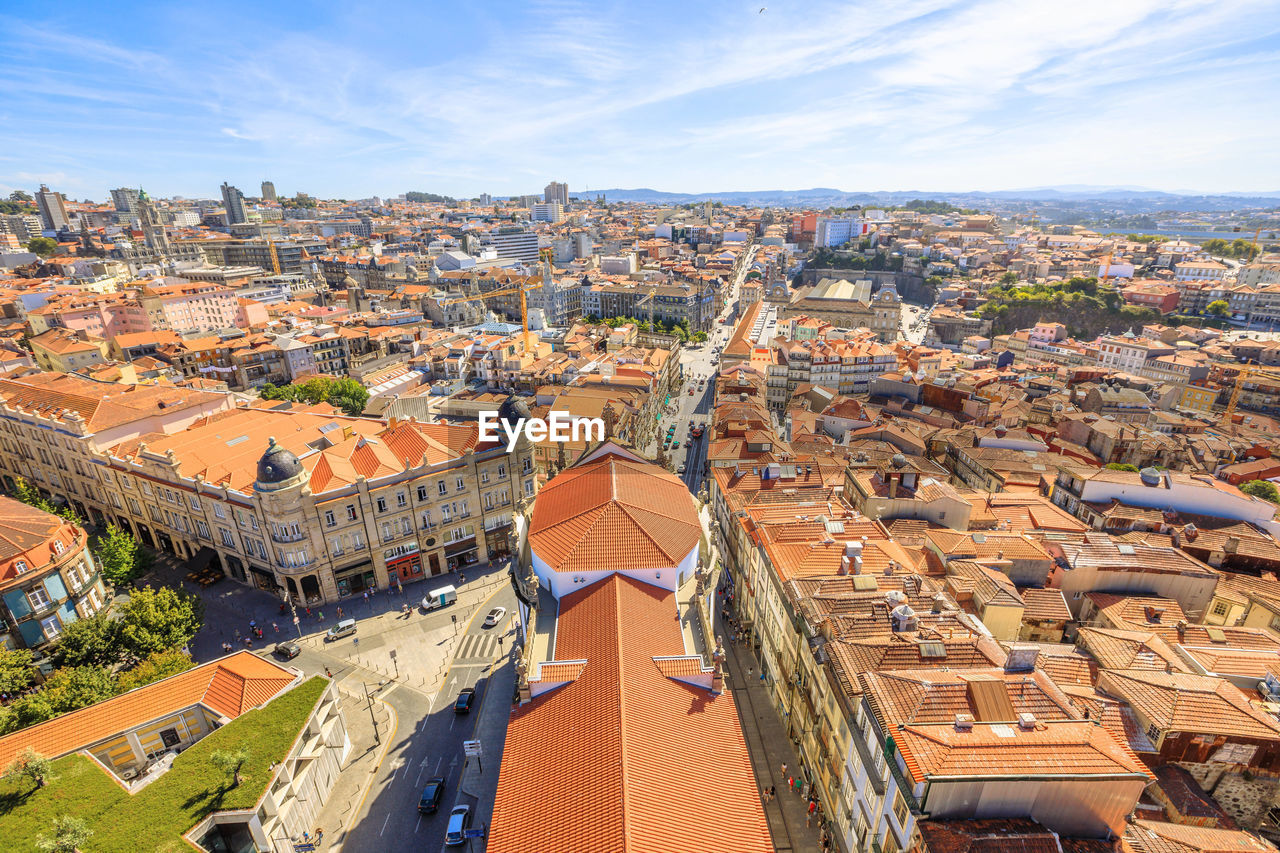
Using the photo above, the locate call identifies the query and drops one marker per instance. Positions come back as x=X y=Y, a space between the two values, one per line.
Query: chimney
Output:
x=938 y=601
x=1026 y=721
x=1176 y=539
x=1232 y=545
x=1182 y=630
x=964 y=722
x=1153 y=614
x=889 y=569
x=851 y=562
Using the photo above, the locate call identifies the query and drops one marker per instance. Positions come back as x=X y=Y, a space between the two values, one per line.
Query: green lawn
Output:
x=156 y=817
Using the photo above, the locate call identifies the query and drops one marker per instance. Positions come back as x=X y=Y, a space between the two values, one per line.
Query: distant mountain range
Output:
x=1133 y=199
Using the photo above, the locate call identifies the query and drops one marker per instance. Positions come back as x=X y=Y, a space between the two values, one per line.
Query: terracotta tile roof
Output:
x=1044 y=605
x=989 y=695
x=1054 y=747
x=998 y=835
x=1118 y=649
x=1065 y=664
x=59 y=395
x=1197 y=704
x=1136 y=612
x=1115 y=715
x=614 y=512
x=230 y=686
x=1149 y=836
x=625 y=758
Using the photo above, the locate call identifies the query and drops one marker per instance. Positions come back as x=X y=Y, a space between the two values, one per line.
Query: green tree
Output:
x=1262 y=489
x=154 y=620
x=42 y=246
x=349 y=395
x=15 y=670
x=153 y=668
x=700 y=337
x=68 y=834
x=117 y=553
x=231 y=762
x=74 y=687
x=1008 y=278
x=31 y=765
x=94 y=641
x=19 y=195
x=1218 y=308
x=1122 y=466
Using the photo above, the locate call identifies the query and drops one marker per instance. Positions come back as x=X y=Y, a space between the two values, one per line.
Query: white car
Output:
x=495 y=616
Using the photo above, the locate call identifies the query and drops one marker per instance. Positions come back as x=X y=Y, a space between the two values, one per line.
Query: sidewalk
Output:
x=366 y=756
x=769 y=746
x=491 y=731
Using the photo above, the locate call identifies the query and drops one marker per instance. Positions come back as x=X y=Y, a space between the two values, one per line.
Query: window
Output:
x=146 y=488
x=484 y=477
x=382 y=504
x=441 y=487
x=335 y=545
x=527 y=466
x=422 y=493
x=20 y=566
x=329 y=520
x=357 y=540
x=351 y=512
x=219 y=511
x=502 y=472
x=194 y=501
x=52 y=627
x=38 y=598
x=58 y=547
x=202 y=529
x=386 y=531
x=900 y=809
x=528 y=487
x=401 y=499
x=460 y=483
x=226 y=538
x=135 y=507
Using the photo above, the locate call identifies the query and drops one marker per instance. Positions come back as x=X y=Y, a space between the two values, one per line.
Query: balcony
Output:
x=287 y=537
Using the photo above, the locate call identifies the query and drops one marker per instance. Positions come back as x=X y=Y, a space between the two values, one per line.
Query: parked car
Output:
x=495 y=616
x=680 y=470
x=459 y=821
x=466 y=698
x=288 y=650
x=345 y=628
x=432 y=794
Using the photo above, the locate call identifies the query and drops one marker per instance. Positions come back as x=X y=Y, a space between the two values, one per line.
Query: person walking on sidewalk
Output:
x=275 y=627
x=773 y=793
x=784 y=772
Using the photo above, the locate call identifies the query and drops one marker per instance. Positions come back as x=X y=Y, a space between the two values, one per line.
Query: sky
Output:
x=351 y=100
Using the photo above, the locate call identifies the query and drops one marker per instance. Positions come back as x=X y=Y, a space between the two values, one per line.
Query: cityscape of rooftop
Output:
x=721 y=428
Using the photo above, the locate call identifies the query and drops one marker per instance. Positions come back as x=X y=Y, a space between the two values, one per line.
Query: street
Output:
x=428 y=742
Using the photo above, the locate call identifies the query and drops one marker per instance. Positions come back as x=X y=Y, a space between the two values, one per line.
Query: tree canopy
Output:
x=1264 y=489
x=154 y=620
x=119 y=555
x=42 y=246
x=1218 y=308
x=1237 y=248
x=346 y=394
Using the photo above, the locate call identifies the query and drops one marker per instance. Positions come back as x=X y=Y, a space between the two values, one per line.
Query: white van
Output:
x=438 y=598
x=345 y=628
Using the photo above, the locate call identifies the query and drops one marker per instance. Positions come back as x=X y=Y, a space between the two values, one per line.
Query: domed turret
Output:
x=1149 y=476
x=276 y=467
x=513 y=412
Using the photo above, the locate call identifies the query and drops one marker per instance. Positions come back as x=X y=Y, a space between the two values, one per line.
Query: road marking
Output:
x=384 y=824
x=451 y=722
x=438 y=763
x=418 y=824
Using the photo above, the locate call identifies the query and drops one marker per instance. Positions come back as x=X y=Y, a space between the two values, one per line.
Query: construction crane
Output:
x=275 y=256
x=1106 y=267
x=1246 y=372
x=506 y=291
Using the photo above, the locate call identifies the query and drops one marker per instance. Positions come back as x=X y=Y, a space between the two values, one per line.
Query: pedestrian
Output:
x=751 y=670
x=366 y=596
x=339 y=612
x=808 y=819
x=795 y=785
x=773 y=793
x=784 y=771
x=248 y=642
x=321 y=615
x=237 y=635
x=319 y=836
x=275 y=627
x=308 y=612
x=327 y=672
x=252 y=624
x=813 y=806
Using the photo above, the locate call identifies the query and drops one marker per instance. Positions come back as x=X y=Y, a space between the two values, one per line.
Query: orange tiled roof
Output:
x=1150 y=836
x=614 y=513
x=1197 y=704
x=624 y=757
x=229 y=686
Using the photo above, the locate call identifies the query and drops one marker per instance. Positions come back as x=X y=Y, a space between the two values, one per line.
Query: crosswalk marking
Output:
x=476 y=647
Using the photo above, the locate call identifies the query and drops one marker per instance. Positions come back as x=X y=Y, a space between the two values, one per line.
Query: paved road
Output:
x=428 y=743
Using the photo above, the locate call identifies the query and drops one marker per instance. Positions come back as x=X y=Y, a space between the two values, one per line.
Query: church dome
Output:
x=277 y=466
x=514 y=411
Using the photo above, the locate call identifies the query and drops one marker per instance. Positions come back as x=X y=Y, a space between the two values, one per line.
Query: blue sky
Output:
x=357 y=99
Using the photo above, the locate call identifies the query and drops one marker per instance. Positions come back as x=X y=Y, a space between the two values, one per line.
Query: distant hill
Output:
x=1130 y=199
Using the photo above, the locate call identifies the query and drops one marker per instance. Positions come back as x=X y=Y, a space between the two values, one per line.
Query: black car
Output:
x=288 y=650
x=432 y=794
x=466 y=698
